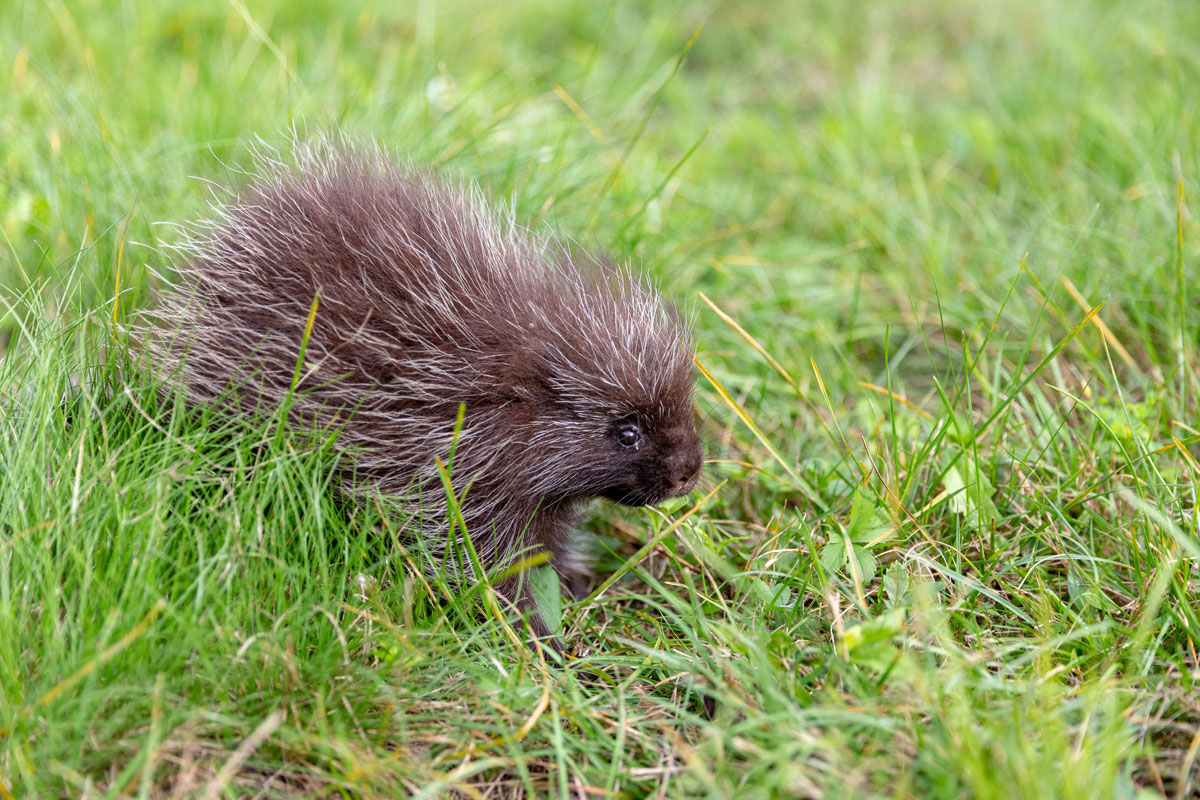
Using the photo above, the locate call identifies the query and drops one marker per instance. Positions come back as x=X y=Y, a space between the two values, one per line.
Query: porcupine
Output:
x=575 y=378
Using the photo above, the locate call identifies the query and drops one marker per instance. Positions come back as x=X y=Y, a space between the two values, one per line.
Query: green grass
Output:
x=953 y=548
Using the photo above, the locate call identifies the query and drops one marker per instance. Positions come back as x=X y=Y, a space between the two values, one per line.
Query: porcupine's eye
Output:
x=628 y=434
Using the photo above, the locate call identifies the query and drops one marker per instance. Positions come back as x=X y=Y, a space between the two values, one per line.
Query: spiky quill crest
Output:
x=426 y=299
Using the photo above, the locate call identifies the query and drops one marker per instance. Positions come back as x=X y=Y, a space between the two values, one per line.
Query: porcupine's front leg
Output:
x=574 y=570
x=549 y=530
x=568 y=548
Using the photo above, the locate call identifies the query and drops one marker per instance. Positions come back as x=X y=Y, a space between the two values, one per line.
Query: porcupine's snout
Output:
x=684 y=463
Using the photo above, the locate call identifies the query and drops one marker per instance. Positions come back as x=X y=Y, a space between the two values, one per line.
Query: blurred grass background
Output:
x=953 y=548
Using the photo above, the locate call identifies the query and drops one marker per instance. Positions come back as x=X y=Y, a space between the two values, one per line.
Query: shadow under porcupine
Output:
x=575 y=377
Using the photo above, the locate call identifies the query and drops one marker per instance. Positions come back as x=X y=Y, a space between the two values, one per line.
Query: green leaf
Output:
x=971 y=496
x=867 y=521
x=867 y=525
x=983 y=493
x=547 y=596
x=779 y=598
x=895 y=584
x=833 y=554
x=871 y=642
x=676 y=504
x=956 y=488
x=866 y=563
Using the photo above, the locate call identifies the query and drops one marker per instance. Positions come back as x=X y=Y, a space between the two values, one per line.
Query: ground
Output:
x=941 y=261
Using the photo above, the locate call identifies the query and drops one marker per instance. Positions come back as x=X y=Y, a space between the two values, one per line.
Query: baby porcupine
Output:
x=575 y=377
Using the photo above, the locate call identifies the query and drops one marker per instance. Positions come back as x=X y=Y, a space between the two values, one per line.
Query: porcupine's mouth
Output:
x=688 y=486
x=637 y=497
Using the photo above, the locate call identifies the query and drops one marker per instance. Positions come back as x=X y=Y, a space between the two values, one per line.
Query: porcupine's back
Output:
x=425 y=301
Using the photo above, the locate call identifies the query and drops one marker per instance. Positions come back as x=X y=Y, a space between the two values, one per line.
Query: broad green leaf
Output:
x=956 y=489
x=866 y=563
x=833 y=554
x=547 y=596
x=895 y=584
x=871 y=643
x=867 y=522
x=971 y=495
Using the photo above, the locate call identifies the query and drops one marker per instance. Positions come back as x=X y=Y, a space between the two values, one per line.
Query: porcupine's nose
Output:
x=687 y=469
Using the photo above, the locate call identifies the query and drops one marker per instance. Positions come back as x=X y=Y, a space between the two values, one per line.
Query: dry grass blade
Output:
x=758 y=348
x=798 y=483
x=238 y=758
